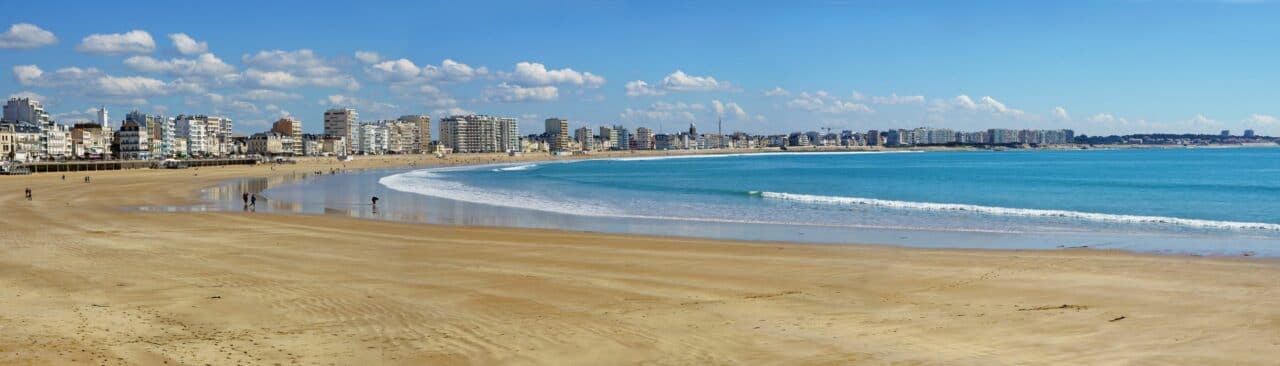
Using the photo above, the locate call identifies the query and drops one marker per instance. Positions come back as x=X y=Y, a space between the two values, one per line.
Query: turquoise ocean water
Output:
x=1206 y=194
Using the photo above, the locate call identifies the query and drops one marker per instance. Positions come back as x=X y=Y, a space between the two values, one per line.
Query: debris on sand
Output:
x=1117 y=319
x=1062 y=307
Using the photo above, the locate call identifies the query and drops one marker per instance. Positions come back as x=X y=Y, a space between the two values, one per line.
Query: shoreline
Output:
x=82 y=283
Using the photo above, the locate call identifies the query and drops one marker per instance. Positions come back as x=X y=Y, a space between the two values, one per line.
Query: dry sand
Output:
x=82 y=282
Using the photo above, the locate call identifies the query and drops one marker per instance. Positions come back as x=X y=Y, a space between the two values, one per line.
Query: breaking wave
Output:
x=1017 y=212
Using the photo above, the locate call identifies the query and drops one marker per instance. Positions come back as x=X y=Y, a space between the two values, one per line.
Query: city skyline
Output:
x=763 y=68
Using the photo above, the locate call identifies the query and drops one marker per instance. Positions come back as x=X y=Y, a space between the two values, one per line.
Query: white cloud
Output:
x=984 y=104
x=677 y=106
x=637 y=88
x=536 y=74
x=131 y=86
x=1262 y=120
x=1202 y=121
x=25 y=36
x=509 y=93
x=395 y=71
x=681 y=81
x=267 y=94
x=1107 y=118
x=204 y=65
x=369 y=110
x=1061 y=114
x=297 y=60
x=368 y=57
x=94 y=82
x=287 y=69
x=450 y=70
x=776 y=92
x=735 y=112
x=187 y=45
x=894 y=99
x=434 y=97
x=27 y=75
x=273 y=79
x=821 y=101
x=135 y=41
x=676 y=81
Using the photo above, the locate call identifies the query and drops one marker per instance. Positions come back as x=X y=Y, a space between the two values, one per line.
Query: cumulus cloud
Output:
x=676 y=81
x=135 y=41
x=1061 y=114
x=536 y=74
x=26 y=36
x=735 y=112
x=95 y=83
x=368 y=57
x=508 y=93
x=893 y=98
x=777 y=91
x=984 y=104
x=187 y=45
x=450 y=70
x=204 y=65
x=278 y=69
x=395 y=71
x=821 y=101
x=637 y=88
x=681 y=81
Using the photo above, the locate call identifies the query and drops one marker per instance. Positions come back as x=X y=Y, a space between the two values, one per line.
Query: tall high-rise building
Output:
x=341 y=122
x=479 y=134
x=103 y=119
x=608 y=137
x=585 y=138
x=421 y=142
x=1248 y=133
x=292 y=128
x=623 y=136
x=644 y=139
x=558 y=133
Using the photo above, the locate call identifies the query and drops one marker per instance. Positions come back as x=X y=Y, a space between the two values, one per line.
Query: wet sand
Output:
x=84 y=282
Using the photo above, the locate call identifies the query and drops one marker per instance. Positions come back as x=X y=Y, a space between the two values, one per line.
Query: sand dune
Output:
x=82 y=282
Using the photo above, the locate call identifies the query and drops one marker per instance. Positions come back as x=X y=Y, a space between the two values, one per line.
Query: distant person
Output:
x=375 y=200
x=253 y=200
x=29 y=194
x=64 y=177
x=86 y=179
x=245 y=197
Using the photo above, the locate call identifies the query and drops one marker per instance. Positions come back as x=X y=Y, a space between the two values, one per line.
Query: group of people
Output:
x=250 y=200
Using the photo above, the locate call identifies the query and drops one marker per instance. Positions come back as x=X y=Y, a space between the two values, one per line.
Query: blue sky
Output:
x=1099 y=67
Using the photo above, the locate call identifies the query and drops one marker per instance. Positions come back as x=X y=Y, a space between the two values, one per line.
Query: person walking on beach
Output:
x=86 y=179
x=245 y=197
x=28 y=194
x=253 y=201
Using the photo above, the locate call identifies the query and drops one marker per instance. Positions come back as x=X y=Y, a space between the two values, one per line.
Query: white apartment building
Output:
x=480 y=134
x=341 y=122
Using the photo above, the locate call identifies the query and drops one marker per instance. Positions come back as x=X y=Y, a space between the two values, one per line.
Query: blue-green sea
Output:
x=1203 y=195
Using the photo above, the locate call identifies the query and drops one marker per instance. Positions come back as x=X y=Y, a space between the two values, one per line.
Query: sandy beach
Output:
x=84 y=282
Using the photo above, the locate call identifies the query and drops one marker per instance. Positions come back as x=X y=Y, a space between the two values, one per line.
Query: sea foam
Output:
x=1018 y=212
